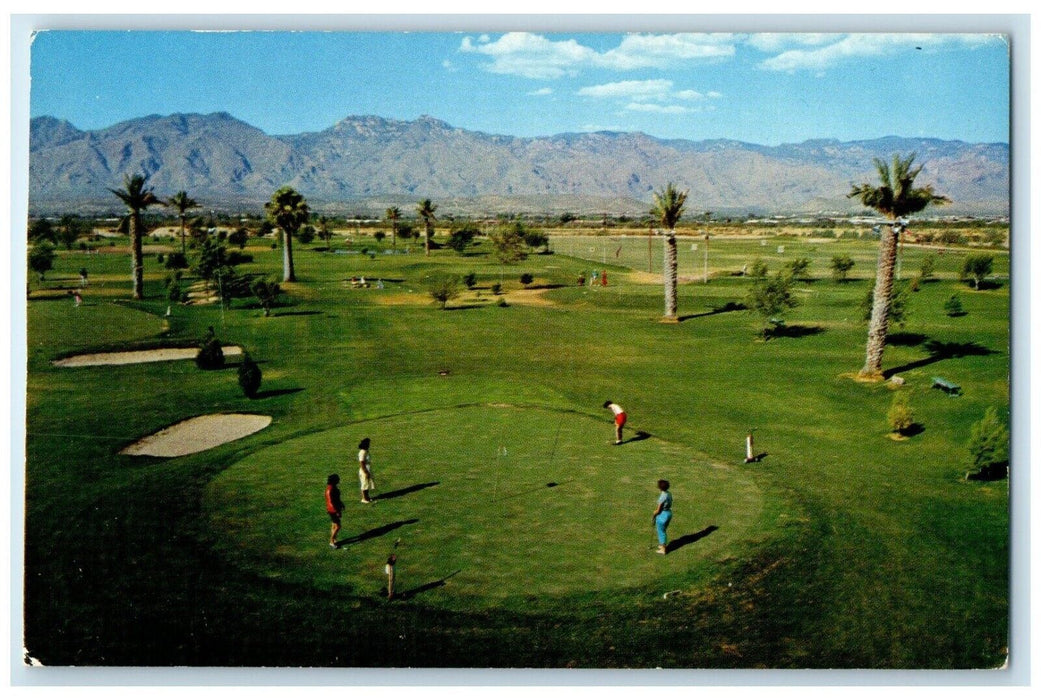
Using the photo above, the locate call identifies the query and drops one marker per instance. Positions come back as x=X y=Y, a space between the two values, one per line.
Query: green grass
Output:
x=841 y=548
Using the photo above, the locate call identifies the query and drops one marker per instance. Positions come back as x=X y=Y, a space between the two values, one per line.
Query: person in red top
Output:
x=333 y=506
x=619 y=420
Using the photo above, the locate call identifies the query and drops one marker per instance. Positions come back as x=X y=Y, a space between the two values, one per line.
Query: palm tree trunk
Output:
x=288 y=273
x=882 y=299
x=183 y=249
x=137 y=262
x=669 y=277
x=426 y=241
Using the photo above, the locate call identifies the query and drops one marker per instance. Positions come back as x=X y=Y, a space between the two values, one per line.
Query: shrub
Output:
x=496 y=288
x=988 y=445
x=952 y=307
x=176 y=261
x=900 y=415
x=840 y=267
x=210 y=355
x=249 y=376
x=159 y=257
x=976 y=268
x=470 y=280
x=527 y=278
x=266 y=292
x=235 y=257
x=443 y=288
x=925 y=271
x=797 y=267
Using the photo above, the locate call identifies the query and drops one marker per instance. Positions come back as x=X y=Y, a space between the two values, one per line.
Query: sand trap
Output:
x=198 y=434
x=136 y=356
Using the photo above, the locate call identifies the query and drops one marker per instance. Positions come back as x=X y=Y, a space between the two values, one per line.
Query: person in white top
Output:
x=619 y=420
x=365 y=480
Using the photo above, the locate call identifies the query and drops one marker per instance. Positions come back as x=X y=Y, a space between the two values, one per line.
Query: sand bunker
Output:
x=198 y=434
x=136 y=356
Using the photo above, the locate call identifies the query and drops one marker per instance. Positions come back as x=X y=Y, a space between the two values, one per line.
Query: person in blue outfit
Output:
x=663 y=515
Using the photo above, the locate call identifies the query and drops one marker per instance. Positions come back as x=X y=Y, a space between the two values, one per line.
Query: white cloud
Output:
x=531 y=55
x=829 y=50
x=656 y=108
x=534 y=56
x=630 y=88
x=775 y=43
x=541 y=91
x=447 y=65
x=667 y=50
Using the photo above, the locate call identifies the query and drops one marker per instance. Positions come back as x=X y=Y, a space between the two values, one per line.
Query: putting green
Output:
x=490 y=502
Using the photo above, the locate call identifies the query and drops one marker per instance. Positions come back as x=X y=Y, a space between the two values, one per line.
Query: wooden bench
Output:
x=947 y=386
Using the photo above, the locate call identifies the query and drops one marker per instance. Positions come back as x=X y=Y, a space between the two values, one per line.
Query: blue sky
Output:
x=760 y=88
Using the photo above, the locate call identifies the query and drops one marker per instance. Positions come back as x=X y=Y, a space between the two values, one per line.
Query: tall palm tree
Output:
x=288 y=211
x=393 y=214
x=667 y=209
x=137 y=198
x=895 y=197
x=182 y=203
x=426 y=210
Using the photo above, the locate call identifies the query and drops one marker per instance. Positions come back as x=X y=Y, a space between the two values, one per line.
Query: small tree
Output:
x=925 y=270
x=266 y=291
x=508 y=242
x=527 y=278
x=900 y=416
x=460 y=238
x=797 y=267
x=443 y=288
x=470 y=280
x=238 y=237
x=976 y=268
x=41 y=258
x=840 y=267
x=952 y=307
x=249 y=376
x=211 y=355
x=771 y=297
x=989 y=445
x=533 y=238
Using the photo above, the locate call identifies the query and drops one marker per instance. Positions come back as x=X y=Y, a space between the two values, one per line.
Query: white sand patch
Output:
x=132 y=357
x=198 y=434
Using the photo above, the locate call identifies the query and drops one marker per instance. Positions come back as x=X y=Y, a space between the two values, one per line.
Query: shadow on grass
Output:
x=405 y=491
x=297 y=313
x=640 y=435
x=464 y=307
x=689 y=539
x=939 y=351
x=375 y=532
x=912 y=430
x=413 y=592
x=272 y=393
x=793 y=331
x=907 y=340
x=725 y=308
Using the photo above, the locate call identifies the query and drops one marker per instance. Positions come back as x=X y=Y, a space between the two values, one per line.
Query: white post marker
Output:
x=749 y=453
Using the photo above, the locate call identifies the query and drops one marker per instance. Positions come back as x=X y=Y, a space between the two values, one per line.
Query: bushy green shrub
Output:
x=952 y=307
x=900 y=415
x=249 y=376
x=527 y=278
x=470 y=280
x=176 y=261
x=989 y=445
x=210 y=355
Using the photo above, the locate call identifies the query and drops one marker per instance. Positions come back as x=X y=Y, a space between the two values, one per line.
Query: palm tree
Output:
x=426 y=211
x=182 y=203
x=137 y=198
x=287 y=210
x=324 y=233
x=895 y=197
x=667 y=209
x=393 y=214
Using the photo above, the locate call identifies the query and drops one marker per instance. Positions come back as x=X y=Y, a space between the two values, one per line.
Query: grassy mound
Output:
x=498 y=503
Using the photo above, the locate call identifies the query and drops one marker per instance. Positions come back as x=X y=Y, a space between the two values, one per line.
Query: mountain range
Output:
x=368 y=163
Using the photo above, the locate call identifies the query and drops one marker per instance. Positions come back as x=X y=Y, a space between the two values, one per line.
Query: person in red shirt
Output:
x=619 y=420
x=333 y=506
